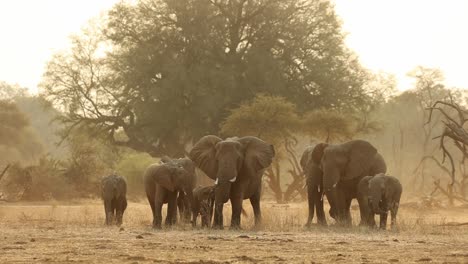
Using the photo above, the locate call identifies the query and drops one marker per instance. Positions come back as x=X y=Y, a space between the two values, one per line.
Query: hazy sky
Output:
x=388 y=35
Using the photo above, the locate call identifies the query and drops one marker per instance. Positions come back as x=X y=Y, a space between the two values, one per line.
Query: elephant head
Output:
x=345 y=161
x=381 y=192
x=174 y=175
x=231 y=161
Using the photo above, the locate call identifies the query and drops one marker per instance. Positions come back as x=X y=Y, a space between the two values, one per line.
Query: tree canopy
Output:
x=18 y=142
x=159 y=74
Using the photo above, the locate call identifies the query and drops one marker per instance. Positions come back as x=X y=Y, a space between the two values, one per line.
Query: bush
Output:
x=132 y=165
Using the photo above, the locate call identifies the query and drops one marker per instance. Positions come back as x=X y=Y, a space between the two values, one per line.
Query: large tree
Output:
x=158 y=74
x=18 y=141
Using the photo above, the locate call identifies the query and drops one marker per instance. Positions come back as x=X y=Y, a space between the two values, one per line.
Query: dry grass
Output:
x=74 y=232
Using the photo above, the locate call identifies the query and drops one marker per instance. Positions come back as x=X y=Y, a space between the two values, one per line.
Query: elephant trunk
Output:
x=222 y=192
x=332 y=200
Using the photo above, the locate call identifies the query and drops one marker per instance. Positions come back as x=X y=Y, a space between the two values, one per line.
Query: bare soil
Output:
x=74 y=233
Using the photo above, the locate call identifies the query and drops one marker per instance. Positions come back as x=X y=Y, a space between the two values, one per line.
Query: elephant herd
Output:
x=341 y=172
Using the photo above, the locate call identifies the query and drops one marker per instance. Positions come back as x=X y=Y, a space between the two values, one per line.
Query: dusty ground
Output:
x=74 y=233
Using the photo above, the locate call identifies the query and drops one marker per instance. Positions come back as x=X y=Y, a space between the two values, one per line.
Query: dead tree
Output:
x=4 y=171
x=454 y=118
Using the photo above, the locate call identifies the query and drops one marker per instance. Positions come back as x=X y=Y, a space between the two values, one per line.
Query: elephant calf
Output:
x=113 y=193
x=380 y=193
x=164 y=182
x=203 y=203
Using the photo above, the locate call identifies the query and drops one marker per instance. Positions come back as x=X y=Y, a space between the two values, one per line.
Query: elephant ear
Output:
x=306 y=156
x=258 y=154
x=203 y=154
x=361 y=155
x=317 y=153
x=166 y=177
x=363 y=186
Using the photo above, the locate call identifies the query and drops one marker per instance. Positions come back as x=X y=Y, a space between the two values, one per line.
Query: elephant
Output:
x=343 y=166
x=314 y=182
x=237 y=166
x=163 y=182
x=113 y=193
x=382 y=193
x=182 y=199
x=203 y=203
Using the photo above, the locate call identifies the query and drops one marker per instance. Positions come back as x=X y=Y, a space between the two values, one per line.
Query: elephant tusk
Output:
x=233 y=179
x=334 y=185
x=216 y=182
x=321 y=196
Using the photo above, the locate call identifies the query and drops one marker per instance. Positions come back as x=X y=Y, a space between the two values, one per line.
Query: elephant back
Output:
x=113 y=186
x=378 y=165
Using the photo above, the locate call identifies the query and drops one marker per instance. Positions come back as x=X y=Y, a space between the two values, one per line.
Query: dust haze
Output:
x=145 y=83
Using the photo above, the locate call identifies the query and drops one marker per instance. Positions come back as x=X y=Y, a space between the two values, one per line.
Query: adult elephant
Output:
x=163 y=182
x=314 y=182
x=237 y=166
x=343 y=166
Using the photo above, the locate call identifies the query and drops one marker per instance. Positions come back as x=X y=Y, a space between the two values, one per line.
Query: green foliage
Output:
x=328 y=125
x=173 y=68
x=271 y=118
x=90 y=159
x=18 y=141
x=132 y=166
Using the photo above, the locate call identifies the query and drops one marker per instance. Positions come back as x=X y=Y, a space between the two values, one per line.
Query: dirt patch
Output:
x=32 y=233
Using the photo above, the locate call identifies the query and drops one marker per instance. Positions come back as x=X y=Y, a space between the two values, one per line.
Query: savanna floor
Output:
x=74 y=233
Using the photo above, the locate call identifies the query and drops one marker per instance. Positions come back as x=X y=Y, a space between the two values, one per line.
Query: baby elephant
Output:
x=203 y=202
x=380 y=193
x=113 y=192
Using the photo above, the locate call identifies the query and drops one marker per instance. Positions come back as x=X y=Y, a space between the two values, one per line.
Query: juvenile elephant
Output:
x=381 y=194
x=343 y=166
x=183 y=202
x=163 y=182
x=203 y=203
x=113 y=193
x=314 y=182
x=237 y=166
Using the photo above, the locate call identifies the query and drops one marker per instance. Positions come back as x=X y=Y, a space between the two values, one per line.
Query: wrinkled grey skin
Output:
x=203 y=203
x=163 y=182
x=343 y=166
x=314 y=182
x=183 y=201
x=383 y=194
x=237 y=166
x=113 y=193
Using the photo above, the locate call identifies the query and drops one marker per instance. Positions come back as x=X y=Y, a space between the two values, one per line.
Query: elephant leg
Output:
x=122 y=205
x=321 y=219
x=363 y=210
x=348 y=221
x=383 y=220
x=371 y=219
x=341 y=209
x=114 y=209
x=157 y=204
x=194 y=218
x=236 y=203
x=311 y=191
x=107 y=209
x=205 y=219
x=393 y=213
x=255 y=201
x=181 y=206
x=218 y=216
x=171 y=217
